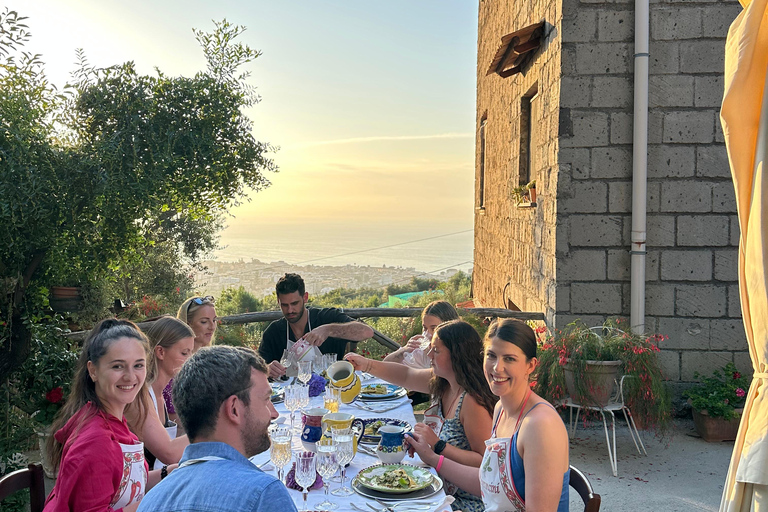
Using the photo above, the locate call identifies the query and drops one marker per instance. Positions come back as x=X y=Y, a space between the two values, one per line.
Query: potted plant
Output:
x=525 y=194
x=594 y=358
x=717 y=403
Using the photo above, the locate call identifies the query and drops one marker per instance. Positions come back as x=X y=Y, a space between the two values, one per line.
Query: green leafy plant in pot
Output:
x=717 y=403
x=584 y=363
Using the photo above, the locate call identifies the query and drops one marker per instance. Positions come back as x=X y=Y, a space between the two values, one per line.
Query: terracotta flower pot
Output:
x=715 y=430
x=602 y=375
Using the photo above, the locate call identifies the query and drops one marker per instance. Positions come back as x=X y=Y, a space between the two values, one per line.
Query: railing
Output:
x=268 y=316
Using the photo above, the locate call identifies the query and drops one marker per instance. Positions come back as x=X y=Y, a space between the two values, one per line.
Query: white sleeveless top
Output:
x=169 y=425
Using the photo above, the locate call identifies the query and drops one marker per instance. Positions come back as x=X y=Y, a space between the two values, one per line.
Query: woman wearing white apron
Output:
x=525 y=465
x=102 y=466
x=171 y=342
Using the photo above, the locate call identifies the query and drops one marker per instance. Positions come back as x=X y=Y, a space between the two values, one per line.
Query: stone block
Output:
x=584 y=197
x=718 y=18
x=612 y=92
x=701 y=300
x=702 y=56
x=562 y=319
x=735 y=230
x=580 y=27
x=578 y=159
x=615 y=25
x=581 y=265
x=652 y=262
x=653 y=205
x=670 y=364
x=671 y=161
x=660 y=230
x=743 y=362
x=664 y=57
x=686 y=196
x=727 y=265
x=689 y=127
x=719 y=137
x=659 y=299
x=712 y=161
x=675 y=23
x=727 y=335
x=684 y=333
x=734 y=301
x=563 y=298
x=620 y=197
x=574 y=91
x=595 y=230
x=590 y=129
x=686 y=265
x=723 y=197
x=702 y=230
x=611 y=162
x=670 y=91
x=618 y=264
x=702 y=363
x=604 y=58
x=596 y=298
x=621 y=127
x=708 y=91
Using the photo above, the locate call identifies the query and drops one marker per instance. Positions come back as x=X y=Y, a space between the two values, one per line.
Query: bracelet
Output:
x=163 y=472
x=440 y=463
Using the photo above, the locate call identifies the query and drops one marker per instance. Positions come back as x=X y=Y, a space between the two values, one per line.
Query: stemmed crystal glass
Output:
x=280 y=451
x=342 y=438
x=303 y=394
x=287 y=359
x=305 y=371
x=292 y=400
x=305 y=474
x=326 y=466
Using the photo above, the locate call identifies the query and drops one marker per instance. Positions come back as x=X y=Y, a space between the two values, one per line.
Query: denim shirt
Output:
x=228 y=483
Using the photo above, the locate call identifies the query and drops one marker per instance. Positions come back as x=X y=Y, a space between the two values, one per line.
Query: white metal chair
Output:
x=615 y=404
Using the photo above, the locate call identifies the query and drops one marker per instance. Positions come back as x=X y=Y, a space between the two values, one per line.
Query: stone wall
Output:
x=692 y=290
x=515 y=247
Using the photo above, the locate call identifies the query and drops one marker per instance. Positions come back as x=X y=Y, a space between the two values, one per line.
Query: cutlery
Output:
x=385 y=505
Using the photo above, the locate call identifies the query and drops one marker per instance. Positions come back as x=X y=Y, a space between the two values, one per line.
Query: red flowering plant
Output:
x=45 y=377
x=576 y=346
x=721 y=394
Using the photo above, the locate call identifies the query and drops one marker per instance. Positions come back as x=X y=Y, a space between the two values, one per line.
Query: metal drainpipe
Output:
x=639 y=167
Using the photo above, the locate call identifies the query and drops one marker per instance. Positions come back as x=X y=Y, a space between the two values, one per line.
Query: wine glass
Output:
x=303 y=393
x=287 y=359
x=305 y=371
x=342 y=438
x=292 y=401
x=280 y=451
x=326 y=466
x=305 y=474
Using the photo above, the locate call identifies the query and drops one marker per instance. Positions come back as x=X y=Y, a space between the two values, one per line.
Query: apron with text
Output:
x=292 y=371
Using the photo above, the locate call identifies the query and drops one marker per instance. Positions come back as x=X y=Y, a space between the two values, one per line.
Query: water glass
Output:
x=280 y=450
x=303 y=395
x=332 y=399
x=292 y=400
x=326 y=466
x=342 y=438
x=305 y=474
x=305 y=371
x=287 y=359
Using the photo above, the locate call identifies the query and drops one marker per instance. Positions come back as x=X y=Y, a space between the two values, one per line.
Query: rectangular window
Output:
x=529 y=131
x=481 y=172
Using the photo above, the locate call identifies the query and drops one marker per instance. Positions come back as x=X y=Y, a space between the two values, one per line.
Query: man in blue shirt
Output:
x=222 y=397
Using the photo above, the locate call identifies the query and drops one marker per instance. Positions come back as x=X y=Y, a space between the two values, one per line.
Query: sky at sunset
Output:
x=372 y=104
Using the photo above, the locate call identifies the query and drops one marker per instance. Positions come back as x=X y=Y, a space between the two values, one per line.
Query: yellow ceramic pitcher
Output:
x=344 y=420
x=342 y=376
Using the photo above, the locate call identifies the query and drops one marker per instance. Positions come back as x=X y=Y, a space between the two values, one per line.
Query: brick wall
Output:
x=585 y=205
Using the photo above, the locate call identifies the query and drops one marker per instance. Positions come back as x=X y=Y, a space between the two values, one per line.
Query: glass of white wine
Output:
x=306 y=473
x=326 y=466
x=280 y=451
x=342 y=438
x=305 y=371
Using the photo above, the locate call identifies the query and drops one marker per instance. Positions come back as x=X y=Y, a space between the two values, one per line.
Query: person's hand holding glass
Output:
x=342 y=438
x=280 y=451
x=326 y=466
x=305 y=474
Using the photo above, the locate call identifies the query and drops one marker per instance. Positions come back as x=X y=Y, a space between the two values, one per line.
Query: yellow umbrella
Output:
x=744 y=116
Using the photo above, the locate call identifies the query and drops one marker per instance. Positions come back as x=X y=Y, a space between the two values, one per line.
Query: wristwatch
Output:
x=439 y=447
x=163 y=472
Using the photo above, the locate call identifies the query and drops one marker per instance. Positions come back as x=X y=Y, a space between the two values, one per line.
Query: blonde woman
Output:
x=432 y=315
x=200 y=314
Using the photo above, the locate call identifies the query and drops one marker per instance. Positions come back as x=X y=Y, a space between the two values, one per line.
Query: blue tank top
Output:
x=518 y=469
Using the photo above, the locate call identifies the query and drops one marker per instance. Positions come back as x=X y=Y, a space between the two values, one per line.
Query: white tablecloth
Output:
x=361 y=460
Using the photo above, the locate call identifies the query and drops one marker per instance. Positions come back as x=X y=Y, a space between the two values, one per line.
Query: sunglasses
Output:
x=200 y=301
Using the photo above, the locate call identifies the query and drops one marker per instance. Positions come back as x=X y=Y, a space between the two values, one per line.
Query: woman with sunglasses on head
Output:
x=525 y=464
x=170 y=344
x=459 y=421
x=101 y=462
x=432 y=315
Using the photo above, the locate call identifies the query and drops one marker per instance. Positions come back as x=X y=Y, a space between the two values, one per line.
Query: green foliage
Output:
x=234 y=301
x=645 y=392
x=721 y=394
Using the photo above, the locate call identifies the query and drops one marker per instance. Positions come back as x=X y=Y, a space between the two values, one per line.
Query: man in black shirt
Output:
x=328 y=328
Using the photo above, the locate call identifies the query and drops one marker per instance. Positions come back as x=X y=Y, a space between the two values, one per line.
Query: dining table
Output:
x=400 y=409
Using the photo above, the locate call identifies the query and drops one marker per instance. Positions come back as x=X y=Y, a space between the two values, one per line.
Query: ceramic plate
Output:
x=435 y=487
x=371 y=477
x=278 y=393
x=384 y=391
x=375 y=438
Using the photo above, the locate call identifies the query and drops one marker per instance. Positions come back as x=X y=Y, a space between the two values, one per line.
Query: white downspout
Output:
x=639 y=167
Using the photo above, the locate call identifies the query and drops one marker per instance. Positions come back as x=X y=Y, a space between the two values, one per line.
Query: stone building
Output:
x=565 y=121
